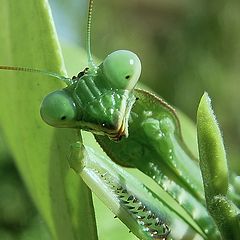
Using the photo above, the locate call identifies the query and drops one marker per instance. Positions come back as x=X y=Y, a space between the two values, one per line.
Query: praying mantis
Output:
x=103 y=100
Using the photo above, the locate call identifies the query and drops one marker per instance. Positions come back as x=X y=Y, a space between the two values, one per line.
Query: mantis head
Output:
x=105 y=111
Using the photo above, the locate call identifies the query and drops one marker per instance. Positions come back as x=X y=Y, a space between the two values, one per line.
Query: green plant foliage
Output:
x=28 y=39
x=211 y=149
x=213 y=164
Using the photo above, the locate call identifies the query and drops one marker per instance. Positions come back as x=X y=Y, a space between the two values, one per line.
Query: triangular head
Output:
x=100 y=100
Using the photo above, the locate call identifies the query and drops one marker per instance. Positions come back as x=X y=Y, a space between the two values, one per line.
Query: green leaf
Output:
x=28 y=39
x=213 y=164
x=213 y=160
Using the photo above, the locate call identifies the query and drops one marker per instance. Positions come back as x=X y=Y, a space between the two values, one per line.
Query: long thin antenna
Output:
x=90 y=59
x=68 y=81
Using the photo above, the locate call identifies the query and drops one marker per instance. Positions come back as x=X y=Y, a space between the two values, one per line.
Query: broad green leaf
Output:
x=28 y=38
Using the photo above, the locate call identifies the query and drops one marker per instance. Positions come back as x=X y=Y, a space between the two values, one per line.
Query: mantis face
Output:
x=100 y=100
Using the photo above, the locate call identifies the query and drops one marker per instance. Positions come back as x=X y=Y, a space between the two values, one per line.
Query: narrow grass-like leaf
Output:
x=28 y=38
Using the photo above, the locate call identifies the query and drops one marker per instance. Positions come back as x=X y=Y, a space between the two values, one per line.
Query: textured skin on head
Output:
x=99 y=100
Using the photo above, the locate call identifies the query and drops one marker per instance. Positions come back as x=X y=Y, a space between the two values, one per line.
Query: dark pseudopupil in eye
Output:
x=63 y=117
x=127 y=77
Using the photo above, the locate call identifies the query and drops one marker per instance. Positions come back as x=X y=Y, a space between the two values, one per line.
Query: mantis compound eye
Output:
x=122 y=69
x=58 y=109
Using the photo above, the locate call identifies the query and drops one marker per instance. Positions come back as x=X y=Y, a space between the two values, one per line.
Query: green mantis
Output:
x=94 y=93
x=102 y=100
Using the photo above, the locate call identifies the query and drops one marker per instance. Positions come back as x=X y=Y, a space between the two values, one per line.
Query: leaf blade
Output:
x=28 y=38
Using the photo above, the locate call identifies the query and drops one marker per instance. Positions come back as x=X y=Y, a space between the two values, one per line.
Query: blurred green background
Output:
x=186 y=48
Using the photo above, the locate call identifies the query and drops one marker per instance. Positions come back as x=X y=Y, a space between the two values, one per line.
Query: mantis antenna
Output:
x=88 y=40
x=68 y=81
